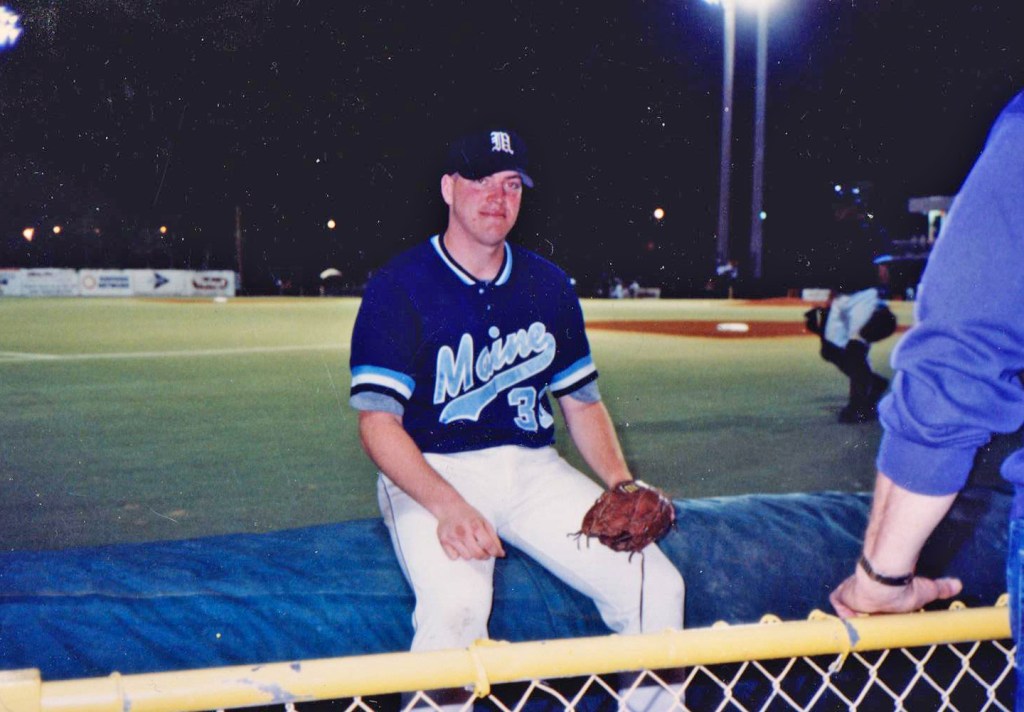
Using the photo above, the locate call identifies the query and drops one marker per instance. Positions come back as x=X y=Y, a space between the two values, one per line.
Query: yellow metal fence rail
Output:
x=720 y=657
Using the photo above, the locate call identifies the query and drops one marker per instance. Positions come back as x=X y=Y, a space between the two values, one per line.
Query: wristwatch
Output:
x=885 y=580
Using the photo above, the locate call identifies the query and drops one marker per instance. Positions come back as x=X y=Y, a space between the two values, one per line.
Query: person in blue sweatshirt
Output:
x=957 y=382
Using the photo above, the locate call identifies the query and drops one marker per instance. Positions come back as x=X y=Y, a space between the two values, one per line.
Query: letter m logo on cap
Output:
x=501 y=141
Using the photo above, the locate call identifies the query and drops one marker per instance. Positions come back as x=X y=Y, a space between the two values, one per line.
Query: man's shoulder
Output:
x=1016 y=105
x=1009 y=118
x=535 y=263
x=407 y=263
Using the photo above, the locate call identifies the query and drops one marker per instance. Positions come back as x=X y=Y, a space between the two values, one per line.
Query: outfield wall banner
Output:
x=183 y=283
x=160 y=282
x=117 y=283
x=212 y=284
x=49 y=283
x=104 y=283
x=10 y=282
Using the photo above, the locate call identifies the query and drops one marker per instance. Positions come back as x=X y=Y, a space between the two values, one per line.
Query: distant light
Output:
x=9 y=30
x=163 y=229
x=871 y=216
x=331 y=224
x=855 y=191
x=659 y=213
x=762 y=215
x=838 y=188
x=57 y=229
x=751 y=4
x=28 y=233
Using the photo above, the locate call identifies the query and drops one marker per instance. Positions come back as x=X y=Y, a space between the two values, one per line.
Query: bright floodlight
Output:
x=659 y=213
x=28 y=233
x=163 y=229
x=57 y=229
x=749 y=4
x=331 y=224
x=9 y=30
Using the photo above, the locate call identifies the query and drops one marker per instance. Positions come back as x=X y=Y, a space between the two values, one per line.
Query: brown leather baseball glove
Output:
x=629 y=516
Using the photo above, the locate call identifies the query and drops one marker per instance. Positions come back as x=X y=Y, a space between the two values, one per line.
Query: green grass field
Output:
x=127 y=420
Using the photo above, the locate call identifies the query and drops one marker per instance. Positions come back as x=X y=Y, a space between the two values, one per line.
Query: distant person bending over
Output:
x=457 y=347
x=958 y=381
x=847 y=327
x=856 y=316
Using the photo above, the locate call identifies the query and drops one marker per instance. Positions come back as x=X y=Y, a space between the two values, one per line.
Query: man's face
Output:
x=484 y=209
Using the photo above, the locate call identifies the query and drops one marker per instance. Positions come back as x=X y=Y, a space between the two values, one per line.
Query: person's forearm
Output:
x=461 y=530
x=900 y=523
x=593 y=433
x=396 y=454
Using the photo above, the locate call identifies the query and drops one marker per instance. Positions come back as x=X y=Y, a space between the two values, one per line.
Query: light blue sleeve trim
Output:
x=576 y=372
x=377 y=376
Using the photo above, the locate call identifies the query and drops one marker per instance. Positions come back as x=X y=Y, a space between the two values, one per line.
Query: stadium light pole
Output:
x=725 y=169
x=757 y=214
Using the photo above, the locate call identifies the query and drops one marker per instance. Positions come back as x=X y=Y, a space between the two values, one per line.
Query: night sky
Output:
x=117 y=116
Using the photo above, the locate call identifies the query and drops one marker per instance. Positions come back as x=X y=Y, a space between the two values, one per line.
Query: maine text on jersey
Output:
x=500 y=366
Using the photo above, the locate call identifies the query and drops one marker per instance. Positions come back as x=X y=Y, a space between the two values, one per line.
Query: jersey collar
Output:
x=465 y=277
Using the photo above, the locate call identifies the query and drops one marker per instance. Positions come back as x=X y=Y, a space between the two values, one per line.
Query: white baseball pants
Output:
x=535 y=500
x=848 y=314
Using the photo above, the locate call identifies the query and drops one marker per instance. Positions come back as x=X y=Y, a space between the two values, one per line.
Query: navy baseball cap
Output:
x=484 y=153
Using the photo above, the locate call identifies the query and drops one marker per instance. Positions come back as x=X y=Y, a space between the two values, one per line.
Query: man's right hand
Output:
x=464 y=533
x=858 y=594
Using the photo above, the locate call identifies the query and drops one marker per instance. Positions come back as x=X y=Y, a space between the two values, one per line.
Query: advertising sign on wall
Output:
x=49 y=283
x=10 y=282
x=160 y=282
x=104 y=283
x=213 y=284
x=116 y=283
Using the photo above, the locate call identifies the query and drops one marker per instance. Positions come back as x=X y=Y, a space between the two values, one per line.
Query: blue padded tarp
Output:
x=337 y=590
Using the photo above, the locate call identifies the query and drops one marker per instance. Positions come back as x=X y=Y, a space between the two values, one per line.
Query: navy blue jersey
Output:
x=471 y=362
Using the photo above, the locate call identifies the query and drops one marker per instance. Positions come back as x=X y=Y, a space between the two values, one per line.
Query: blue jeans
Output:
x=1015 y=588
